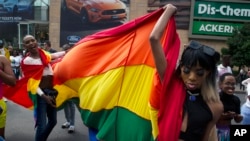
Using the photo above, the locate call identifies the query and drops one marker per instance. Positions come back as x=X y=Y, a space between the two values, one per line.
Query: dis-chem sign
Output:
x=215 y=19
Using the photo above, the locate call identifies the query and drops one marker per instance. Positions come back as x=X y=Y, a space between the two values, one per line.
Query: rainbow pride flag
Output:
x=112 y=74
x=112 y=71
x=24 y=92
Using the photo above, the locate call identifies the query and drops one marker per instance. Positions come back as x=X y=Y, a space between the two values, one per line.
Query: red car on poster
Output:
x=94 y=11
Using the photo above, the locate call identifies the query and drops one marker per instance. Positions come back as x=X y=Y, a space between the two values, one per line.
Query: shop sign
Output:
x=5 y=19
x=225 y=10
x=214 y=28
x=217 y=19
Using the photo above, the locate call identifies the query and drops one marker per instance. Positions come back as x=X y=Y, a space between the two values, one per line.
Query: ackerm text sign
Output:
x=213 y=19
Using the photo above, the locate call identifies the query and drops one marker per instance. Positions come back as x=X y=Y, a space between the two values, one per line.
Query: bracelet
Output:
x=40 y=94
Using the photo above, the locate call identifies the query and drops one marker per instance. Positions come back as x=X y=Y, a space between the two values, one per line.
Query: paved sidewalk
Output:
x=20 y=126
x=238 y=90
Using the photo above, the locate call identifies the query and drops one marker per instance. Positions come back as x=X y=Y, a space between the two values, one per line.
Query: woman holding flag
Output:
x=188 y=105
x=37 y=69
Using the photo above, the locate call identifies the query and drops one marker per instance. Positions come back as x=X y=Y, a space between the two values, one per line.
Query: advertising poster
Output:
x=84 y=17
x=11 y=13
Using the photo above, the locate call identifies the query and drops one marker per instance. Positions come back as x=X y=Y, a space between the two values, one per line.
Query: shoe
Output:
x=66 y=125
x=71 y=129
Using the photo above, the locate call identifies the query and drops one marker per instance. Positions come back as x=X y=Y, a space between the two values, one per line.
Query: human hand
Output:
x=228 y=115
x=231 y=113
x=50 y=100
x=238 y=118
x=171 y=8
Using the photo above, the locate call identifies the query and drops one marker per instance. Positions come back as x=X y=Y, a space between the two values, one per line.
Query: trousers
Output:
x=46 y=119
x=69 y=111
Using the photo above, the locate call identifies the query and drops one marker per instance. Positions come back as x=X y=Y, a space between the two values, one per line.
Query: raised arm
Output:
x=155 y=39
x=58 y=54
x=6 y=73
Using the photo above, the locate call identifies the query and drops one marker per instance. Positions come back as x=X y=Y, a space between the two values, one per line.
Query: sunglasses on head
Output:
x=206 y=49
x=28 y=41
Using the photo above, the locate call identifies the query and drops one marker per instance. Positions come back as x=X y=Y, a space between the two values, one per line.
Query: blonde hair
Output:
x=209 y=91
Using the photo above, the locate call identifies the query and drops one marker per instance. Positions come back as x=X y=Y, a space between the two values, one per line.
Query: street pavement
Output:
x=241 y=94
x=20 y=126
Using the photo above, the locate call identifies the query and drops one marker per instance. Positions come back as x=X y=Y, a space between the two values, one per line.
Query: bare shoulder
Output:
x=4 y=62
x=3 y=59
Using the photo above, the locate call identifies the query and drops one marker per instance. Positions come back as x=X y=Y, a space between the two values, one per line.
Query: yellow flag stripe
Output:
x=108 y=90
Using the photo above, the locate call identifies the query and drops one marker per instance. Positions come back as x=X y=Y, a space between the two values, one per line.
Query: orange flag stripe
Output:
x=104 y=54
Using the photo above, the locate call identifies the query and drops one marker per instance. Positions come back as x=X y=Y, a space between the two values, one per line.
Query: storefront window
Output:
x=21 y=17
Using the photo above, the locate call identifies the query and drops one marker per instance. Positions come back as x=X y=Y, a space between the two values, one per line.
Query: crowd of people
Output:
x=16 y=65
x=206 y=112
x=233 y=107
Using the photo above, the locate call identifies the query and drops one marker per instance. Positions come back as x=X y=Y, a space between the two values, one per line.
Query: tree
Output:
x=239 y=46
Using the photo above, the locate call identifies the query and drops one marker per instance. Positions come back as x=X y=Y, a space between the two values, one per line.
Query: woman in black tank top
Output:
x=196 y=73
x=199 y=115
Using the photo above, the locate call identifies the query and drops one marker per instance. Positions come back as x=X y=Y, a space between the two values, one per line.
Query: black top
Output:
x=199 y=115
x=230 y=102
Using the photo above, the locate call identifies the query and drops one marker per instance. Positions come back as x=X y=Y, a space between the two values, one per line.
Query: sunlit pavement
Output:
x=20 y=126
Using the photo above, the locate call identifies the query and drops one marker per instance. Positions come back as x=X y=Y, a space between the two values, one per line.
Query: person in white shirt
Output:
x=245 y=108
x=243 y=76
x=69 y=108
x=15 y=60
x=224 y=67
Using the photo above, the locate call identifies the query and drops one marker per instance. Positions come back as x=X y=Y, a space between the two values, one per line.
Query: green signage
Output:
x=214 y=28
x=222 y=10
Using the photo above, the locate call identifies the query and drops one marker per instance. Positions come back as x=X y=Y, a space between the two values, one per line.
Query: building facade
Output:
x=184 y=18
x=21 y=17
x=208 y=21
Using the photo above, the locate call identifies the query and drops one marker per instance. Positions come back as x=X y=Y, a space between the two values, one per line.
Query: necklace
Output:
x=192 y=97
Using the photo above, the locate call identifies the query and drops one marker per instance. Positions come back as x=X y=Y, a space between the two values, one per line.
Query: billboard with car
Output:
x=83 y=17
x=11 y=13
x=16 y=10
